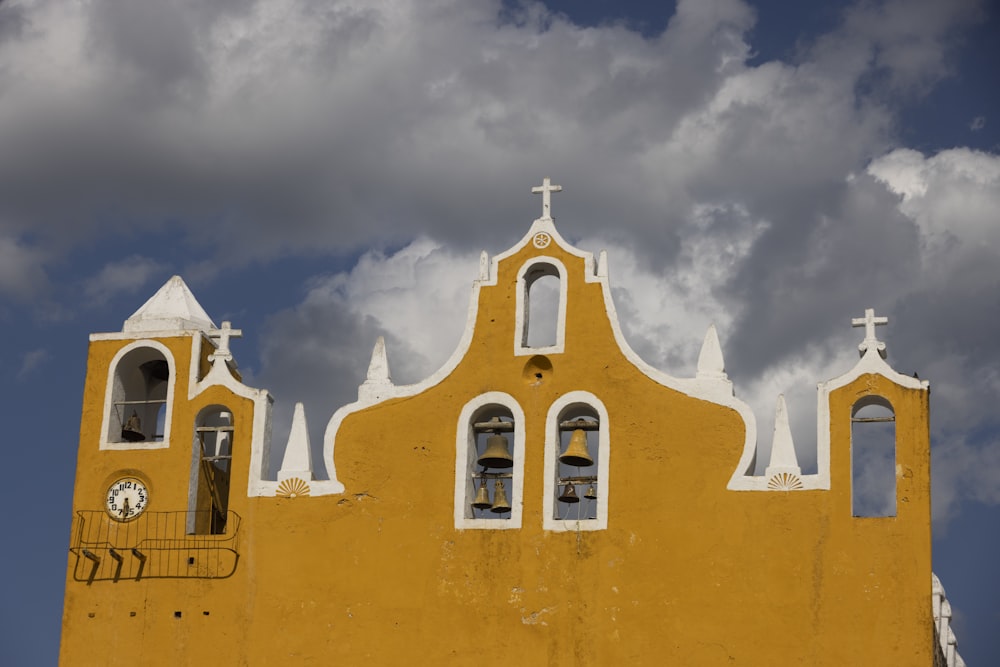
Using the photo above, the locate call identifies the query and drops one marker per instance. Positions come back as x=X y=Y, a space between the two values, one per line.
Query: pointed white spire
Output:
x=173 y=307
x=378 y=379
x=378 y=368
x=710 y=362
x=297 y=461
x=783 y=459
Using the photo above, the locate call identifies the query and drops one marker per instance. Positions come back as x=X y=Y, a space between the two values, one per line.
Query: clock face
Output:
x=126 y=499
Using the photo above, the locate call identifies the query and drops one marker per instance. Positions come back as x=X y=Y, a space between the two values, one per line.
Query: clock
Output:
x=126 y=499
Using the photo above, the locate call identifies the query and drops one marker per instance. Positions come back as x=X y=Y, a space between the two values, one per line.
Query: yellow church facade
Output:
x=562 y=503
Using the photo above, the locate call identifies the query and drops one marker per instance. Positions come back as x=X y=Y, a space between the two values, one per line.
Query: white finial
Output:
x=783 y=457
x=484 y=266
x=602 y=264
x=378 y=380
x=546 y=188
x=224 y=334
x=297 y=461
x=710 y=362
x=869 y=322
x=378 y=368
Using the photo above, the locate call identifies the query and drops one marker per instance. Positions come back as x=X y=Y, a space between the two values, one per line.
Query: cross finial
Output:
x=224 y=334
x=869 y=322
x=546 y=188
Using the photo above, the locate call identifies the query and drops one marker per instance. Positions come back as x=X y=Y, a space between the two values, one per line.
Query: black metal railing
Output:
x=153 y=545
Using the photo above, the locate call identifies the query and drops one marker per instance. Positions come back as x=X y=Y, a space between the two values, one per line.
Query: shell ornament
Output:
x=784 y=481
x=292 y=488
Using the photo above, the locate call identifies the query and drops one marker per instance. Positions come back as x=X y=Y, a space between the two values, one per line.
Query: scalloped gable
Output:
x=172 y=307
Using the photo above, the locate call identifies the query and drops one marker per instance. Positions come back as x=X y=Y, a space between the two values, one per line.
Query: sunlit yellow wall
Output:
x=687 y=572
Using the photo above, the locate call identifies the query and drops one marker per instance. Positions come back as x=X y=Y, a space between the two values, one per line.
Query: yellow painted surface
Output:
x=687 y=572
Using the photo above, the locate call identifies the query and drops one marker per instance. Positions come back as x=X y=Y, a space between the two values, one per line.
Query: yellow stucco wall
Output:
x=686 y=573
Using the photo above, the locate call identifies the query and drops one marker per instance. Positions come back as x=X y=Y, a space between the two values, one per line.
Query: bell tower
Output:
x=167 y=429
x=545 y=497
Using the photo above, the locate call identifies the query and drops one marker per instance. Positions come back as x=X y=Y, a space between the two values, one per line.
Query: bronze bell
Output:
x=132 y=430
x=500 y=503
x=569 y=495
x=591 y=493
x=576 y=453
x=482 y=500
x=497 y=454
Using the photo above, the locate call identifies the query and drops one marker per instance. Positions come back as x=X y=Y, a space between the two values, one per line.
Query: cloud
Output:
x=32 y=360
x=318 y=351
x=22 y=275
x=280 y=127
x=772 y=199
x=878 y=248
x=123 y=276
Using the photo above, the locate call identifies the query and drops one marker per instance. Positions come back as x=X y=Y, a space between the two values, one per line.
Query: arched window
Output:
x=577 y=452
x=211 y=471
x=873 y=458
x=140 y=387
x=489 y=465
x=541 y=307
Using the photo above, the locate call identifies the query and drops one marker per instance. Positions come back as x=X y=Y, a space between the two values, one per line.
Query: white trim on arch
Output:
x=552 y=445
x=521 y=323
x=464 y=440
x=106 y=441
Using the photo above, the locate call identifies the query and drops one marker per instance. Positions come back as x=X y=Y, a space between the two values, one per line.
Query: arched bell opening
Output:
x=577 y=463
x=139 y=390
x=211 y=471
x=489 y=463
x=491 y=469
x=873 y=458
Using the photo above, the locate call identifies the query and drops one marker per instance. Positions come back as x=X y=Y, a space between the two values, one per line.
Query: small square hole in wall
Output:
x=91 y=615
x=190 y=560
x=131 y=613
x=204 y=613
x=177 y=614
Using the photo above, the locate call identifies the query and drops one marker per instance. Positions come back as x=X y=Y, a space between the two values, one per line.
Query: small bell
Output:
x=482 y=500
x=576 y=453
x=591 y=493
x=132 y=430
x=569 y=495
x=497 y=454
x=500 y=503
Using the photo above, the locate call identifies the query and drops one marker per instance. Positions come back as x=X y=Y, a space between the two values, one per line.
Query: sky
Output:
x=322 y=173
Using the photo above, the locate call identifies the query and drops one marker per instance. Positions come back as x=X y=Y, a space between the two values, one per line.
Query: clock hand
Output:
x=125 y=509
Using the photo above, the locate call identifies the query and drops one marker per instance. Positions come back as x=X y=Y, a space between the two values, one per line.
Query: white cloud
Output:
x=122 y=276
x=31 y=360
x=770 y=199
x=22 y=275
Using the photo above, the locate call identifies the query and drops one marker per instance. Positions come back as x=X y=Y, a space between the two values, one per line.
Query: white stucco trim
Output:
x=552 y=446
x=163 y=333
x=714 y=390
x=463 y=468
x=106 y=441
x=260 y=438
x=521 y=313
x=368 y=398
x=871 y=363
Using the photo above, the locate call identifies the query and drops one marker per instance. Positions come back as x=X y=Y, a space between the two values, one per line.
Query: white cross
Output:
x=546 y=188
x=224 y=334
x=869 y=322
